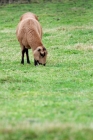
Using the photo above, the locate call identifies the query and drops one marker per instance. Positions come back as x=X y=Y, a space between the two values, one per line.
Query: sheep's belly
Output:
x=28 y=47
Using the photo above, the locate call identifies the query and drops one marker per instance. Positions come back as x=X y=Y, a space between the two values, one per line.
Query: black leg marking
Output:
x=27 y=56
x=23 y=51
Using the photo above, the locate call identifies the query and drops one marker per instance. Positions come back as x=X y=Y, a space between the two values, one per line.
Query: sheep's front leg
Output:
x=22 y=60
x=27 y=56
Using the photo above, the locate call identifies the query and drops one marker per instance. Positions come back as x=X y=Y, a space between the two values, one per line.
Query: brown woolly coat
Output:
x=29 y=31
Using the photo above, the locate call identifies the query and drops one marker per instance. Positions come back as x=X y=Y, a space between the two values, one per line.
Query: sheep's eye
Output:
x=39 y=50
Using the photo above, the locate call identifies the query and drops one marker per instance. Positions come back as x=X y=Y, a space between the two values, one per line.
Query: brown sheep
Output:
x=29 y=35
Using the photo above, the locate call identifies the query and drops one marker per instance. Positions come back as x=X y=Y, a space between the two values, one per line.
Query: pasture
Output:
x=54 y=102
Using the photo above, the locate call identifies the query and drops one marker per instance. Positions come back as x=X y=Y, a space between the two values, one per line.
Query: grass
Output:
x=52 y=102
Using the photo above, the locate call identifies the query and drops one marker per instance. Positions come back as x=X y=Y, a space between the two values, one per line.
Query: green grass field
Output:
x=53 y=102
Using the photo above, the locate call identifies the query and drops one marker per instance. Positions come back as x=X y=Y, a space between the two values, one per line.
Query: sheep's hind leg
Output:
x=27 y=56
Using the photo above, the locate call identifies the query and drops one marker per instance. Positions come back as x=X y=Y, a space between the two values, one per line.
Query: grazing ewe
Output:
x=29 y=35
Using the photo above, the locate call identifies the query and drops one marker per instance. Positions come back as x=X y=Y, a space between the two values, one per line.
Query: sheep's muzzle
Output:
x=36 y=62
x=42 y=54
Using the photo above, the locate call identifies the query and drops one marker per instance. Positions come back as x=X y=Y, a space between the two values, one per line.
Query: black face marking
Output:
x=40 y=63
x=36 y=62
x=42 y=54
x=39 y=50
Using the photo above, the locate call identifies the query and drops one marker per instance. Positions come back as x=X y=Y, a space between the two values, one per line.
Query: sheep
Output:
x=29 y=35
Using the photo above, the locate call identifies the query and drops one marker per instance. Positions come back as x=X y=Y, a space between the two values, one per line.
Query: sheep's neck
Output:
x=35 y=45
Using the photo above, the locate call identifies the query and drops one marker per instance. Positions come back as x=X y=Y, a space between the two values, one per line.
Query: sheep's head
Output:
x=40 y=55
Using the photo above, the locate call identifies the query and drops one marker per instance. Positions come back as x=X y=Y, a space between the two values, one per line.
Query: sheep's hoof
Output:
x=22 y=62
x=28 y=62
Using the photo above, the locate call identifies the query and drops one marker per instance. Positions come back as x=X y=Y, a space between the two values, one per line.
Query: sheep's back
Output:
x=29 y=32
x=28 y=15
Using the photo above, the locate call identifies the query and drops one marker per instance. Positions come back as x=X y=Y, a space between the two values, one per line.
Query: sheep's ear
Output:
x=44 y=49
